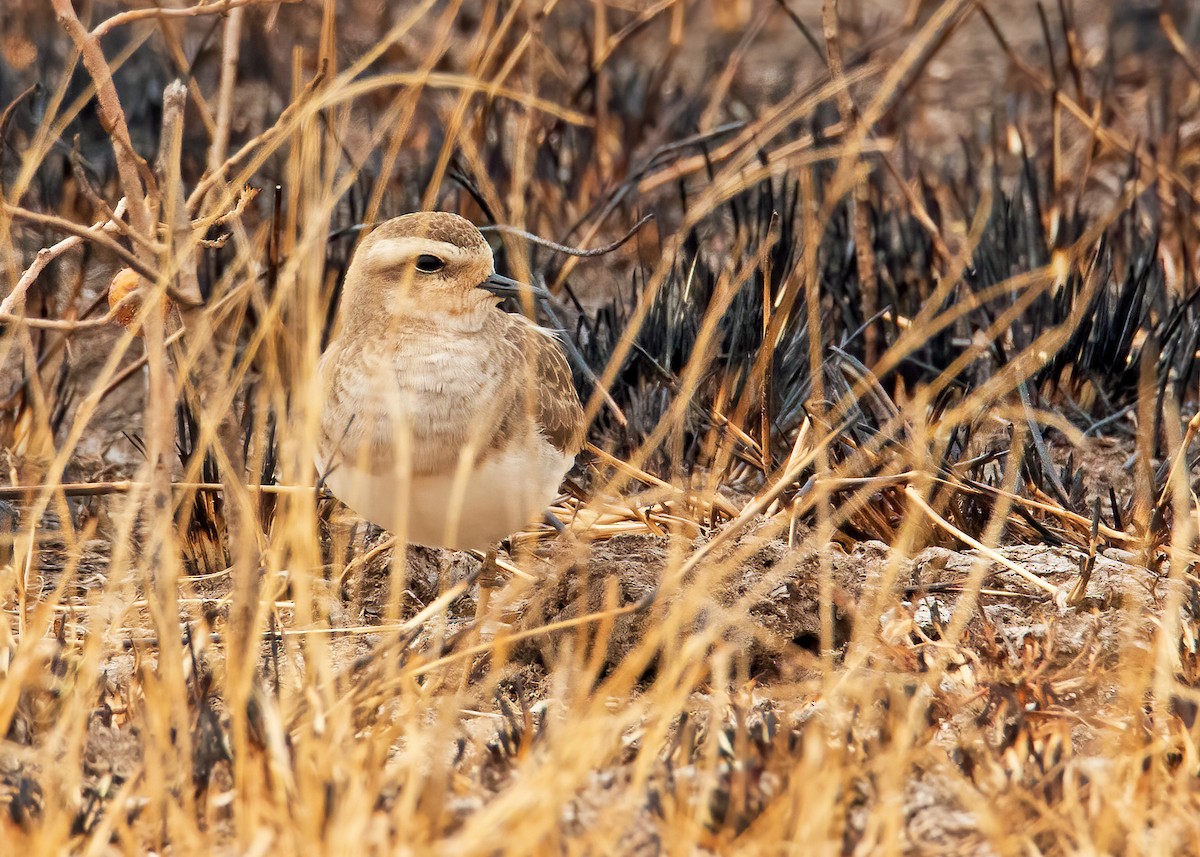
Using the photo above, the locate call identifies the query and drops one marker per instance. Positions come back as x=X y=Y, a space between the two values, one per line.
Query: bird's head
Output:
x=425 y=263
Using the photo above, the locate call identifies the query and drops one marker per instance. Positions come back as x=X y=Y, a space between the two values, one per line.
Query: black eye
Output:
x=427 y=264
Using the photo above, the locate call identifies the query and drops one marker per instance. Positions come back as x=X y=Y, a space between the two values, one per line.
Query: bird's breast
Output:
x=427 y=397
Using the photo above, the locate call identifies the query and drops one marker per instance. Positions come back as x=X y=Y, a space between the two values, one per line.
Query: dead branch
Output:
x=55 y=324
x=130 y=166
x=126 y=486
x=97 y=235
x=16 y=298
x=229 y=60
x=915 y=497
x=219 y=7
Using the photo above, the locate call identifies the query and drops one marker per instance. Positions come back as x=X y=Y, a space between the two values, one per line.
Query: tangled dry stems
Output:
x=843 y=628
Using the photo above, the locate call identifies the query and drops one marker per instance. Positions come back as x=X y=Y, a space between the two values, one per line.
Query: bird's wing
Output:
x=553 y=401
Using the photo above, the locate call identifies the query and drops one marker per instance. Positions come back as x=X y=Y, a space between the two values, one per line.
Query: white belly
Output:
x=495 y=499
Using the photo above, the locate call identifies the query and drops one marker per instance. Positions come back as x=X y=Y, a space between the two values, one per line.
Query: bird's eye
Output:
x=427 y=264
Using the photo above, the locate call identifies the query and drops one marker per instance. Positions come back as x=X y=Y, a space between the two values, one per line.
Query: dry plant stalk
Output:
x=727 y=661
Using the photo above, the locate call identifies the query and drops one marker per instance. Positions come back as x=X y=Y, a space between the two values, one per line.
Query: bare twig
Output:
x=229 y=61
x=563 y=248
x=915 y=497
x=44 y=257
x=130 y=166
x=218 y=7
x=96 y=234
x=56 y=324
x=126 y=486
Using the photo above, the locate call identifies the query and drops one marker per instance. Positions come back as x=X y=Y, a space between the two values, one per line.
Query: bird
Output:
x=444 y=419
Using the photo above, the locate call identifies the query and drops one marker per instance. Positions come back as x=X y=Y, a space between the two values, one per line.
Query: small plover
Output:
x=445 y=420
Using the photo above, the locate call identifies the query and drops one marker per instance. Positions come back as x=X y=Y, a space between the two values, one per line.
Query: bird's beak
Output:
x=505 y=288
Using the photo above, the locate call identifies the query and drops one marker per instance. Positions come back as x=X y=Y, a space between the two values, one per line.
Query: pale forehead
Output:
x=396 y=251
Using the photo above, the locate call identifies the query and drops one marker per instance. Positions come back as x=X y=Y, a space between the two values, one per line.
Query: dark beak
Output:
x=506 y=288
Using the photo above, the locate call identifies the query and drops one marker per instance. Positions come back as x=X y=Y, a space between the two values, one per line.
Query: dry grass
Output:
x=887 y=541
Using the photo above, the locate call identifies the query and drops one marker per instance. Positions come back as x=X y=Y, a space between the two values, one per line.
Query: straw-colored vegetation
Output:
x=886 y=539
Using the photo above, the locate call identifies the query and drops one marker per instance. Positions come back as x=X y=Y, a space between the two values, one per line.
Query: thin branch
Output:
x=16 y=298
x=990 y=553
x=220 y=7
x=563 y=248
x=55 y=324
x=130 y=166
x=95 y=235
x=229 y=62
x=125 y=486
